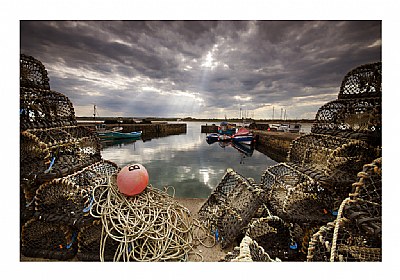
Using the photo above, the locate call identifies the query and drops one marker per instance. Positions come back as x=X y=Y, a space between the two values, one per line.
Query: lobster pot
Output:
x=55 y=152
x=44 y=108
x=369 y=185
x=339 y=159
x=27 y=208
x=354 y=236
x=33 y=73
x=249 y=251
x=49 y=240
x=363 y=81
x=70 y=198
x=89 y=239
x=41 y=107
x=351 y=118
x=274 y=236
x=230 y=207
x=295 y=196
x=319 y=247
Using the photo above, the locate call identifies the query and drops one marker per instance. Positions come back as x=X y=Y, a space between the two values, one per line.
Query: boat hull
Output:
x=243 y=136
x=248 y=139
x=119 y=135
x=211 y=138
x=224 y=137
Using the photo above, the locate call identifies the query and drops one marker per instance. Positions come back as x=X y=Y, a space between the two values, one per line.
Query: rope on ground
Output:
x=151 y=226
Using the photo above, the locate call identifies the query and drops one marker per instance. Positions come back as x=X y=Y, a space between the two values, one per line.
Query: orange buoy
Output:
x=132 y=179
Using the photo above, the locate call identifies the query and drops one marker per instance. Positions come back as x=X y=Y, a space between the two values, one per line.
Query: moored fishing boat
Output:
x=119 y=135
x=211 y=138
x=291 y=127
x=243 y=135
x=224 y=137
x=226 y=128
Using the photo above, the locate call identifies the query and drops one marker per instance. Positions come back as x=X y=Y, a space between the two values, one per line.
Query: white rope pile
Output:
x=150 y=226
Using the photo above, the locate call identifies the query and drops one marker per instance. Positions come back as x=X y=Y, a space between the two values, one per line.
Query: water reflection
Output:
x=243 y=149
x=187 y=162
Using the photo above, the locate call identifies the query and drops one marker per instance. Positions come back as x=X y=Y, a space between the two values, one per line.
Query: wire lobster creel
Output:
x=296 y=197
x=49 y=240
x=362 y=81
x=248 y=251
x=369 y=185
x=275 y=237
x=70 y=198
x=230 y=207
x=334 y=160
x=89 y=243
x=43 y=108
x=357 y=113
x=356 y=234
x=53 y=153
x=39 y=106
x=351 y=118
x=33 y=73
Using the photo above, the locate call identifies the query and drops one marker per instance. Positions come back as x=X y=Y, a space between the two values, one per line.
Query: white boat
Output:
x=291 y=127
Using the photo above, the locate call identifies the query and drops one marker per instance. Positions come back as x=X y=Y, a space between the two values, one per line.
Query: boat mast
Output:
x=273 y=112
x=94 y=111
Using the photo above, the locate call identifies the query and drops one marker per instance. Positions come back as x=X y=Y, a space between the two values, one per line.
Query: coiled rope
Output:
x=151 y=226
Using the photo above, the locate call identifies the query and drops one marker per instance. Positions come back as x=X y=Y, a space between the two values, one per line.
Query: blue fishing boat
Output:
x=119 y=135
x=224 y=137
x=211 y=138
x=226 y=128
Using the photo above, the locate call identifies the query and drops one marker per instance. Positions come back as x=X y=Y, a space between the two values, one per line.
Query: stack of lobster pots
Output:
x=295 y=199
x=60 y=164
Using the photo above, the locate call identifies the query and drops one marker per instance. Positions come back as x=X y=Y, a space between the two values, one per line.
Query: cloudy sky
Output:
x=200 y=68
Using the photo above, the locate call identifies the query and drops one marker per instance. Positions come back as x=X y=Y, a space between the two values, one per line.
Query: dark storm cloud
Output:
x=200 y=68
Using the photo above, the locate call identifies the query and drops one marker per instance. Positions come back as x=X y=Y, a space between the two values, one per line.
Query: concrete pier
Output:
x=152 y=130
x=275 y=145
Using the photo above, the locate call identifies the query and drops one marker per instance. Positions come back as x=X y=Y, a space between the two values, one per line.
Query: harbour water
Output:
x=186 y=162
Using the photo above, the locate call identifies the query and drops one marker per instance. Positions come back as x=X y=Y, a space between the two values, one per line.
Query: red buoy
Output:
x=132 y=179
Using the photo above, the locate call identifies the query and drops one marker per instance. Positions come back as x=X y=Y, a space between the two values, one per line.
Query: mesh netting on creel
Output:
x=89 y=243
x=33 y=73
x=336 y=160
x=362 y=81
x=49 y=240
x=274 y=236
x=296 y=197
x=230 y=207
x=357 y=113
x=41 y=107
x=248 y=251
x=351 y=118
x=369 y=185
x=356 y=234
x=70 y=198
x=51 y=153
